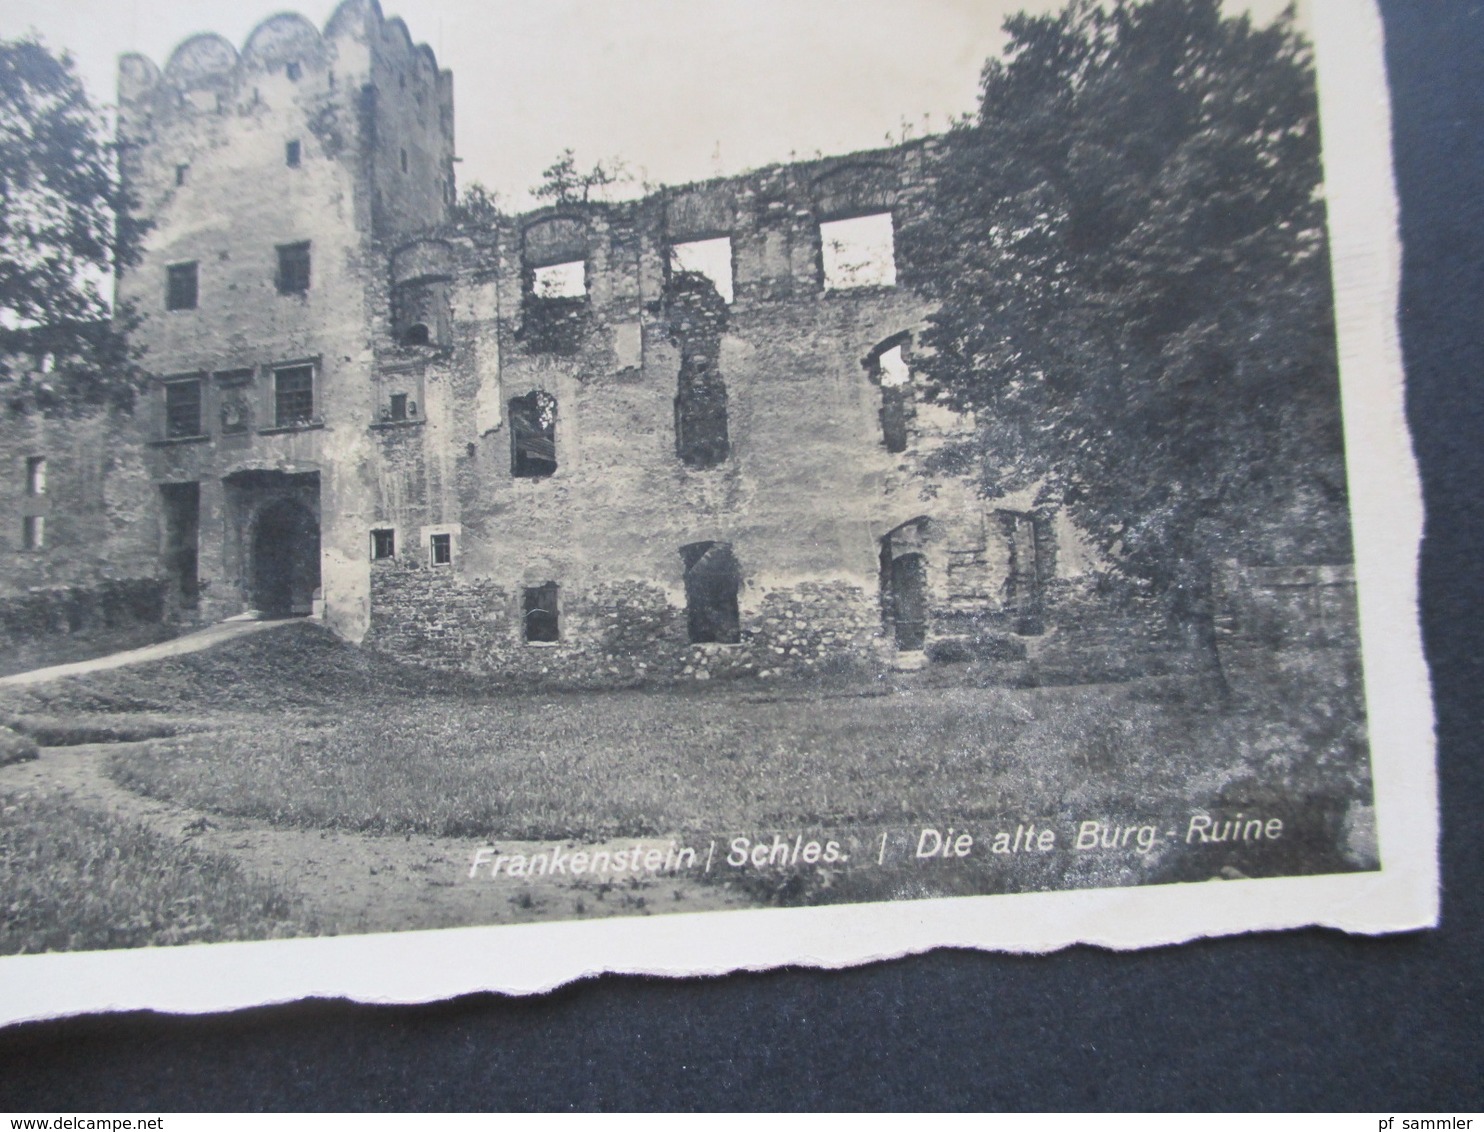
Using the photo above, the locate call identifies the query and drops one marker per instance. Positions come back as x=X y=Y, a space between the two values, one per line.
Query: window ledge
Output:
x=410 y=422
x=716 y=646
x=170 y=441
x=865 y=289
x=302 y=426
x=544 y=644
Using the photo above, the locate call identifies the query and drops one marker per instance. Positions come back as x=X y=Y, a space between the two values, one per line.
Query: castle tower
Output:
x=268 y=180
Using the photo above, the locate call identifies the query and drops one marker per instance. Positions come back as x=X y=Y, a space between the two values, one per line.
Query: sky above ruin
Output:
x=682 y=90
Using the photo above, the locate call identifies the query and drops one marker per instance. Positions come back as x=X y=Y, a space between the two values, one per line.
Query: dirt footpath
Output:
x=354 y=882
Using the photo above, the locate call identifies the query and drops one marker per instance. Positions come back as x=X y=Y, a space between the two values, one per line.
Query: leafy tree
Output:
x=563 y=183
x=1127 y=242
x=63 y=233
x=478 y=208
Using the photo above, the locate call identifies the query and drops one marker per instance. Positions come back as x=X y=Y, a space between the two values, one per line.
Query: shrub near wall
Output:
x=66 y=610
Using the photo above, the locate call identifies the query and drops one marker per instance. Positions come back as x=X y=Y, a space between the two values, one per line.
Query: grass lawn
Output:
x=74 y=879
x=308 y=731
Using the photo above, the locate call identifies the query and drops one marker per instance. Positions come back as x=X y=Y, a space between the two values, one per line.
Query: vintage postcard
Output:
x=503 y=492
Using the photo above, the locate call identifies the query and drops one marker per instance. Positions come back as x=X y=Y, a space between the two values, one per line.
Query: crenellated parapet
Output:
x=364 y=91
x=282 y=43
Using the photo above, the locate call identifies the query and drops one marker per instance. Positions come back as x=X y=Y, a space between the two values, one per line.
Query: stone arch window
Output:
x=888 y=368
x=554 y=297
x=904 y=584
x=712 y=581
x=422 y=313
x=533 y=435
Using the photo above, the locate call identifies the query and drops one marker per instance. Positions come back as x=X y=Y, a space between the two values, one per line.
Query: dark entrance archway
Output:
x=285 y=559
x=908 y=601
x=712 y=579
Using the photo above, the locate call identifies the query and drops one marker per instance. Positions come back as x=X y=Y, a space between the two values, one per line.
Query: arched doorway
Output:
x=712 y=579
x=285 y=559
x=908 y=601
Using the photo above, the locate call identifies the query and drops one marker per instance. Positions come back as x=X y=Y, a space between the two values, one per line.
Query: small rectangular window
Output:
x=442 y=549
x=539 y=606
x=291 y=154
x=561 y=280
x=383 y=543
x=180 y=174
x=711 y=258
x=293 y=396
x=399 y=406
x=293 y=268
x=183 y=408
x=180 y=289
x=33 y=532
x=292 y=72
x=858 y=252
x=35 y=475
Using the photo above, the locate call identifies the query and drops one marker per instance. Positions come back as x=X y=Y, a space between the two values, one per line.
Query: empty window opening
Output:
x=180 y=288
x=421 y=313
x=182 y=508
x=711 y=258
x=293 y=396
x=533 y=435
x=540 y=613
x=441 y=549
x=888 y=368
x=858 y=252
x=181 y=172
x=561 y=280
x=701 y=439
x=696 y=317
x=33 y=532
x=404 y=161
x=712 y=581
x=293 y=72
x=183 y=408
x=383 y=544
x=292 y=154
x=35 y=475
x=905 y=578
x=398 y=409
x=293 y=268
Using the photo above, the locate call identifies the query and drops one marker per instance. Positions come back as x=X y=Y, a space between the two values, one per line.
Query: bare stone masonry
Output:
x=577 y=445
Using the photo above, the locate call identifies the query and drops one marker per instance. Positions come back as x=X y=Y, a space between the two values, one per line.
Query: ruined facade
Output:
x=677 y=437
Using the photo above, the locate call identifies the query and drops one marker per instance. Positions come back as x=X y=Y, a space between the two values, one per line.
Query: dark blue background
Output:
x=1289 y=1021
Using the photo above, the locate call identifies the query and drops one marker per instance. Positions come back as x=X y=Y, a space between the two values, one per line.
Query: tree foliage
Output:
x=1127 y=242
x=63 y=233
x=477 y=208
x=562 y=182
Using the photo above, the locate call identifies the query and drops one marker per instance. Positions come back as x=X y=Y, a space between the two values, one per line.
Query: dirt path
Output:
x=352 y=882
x=177 y=646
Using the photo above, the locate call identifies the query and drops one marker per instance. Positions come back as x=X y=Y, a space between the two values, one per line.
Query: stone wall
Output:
x=99 y=512
x=619 y=633
x=65 y=610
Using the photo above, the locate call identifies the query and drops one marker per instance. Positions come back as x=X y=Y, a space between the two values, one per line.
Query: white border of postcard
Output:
x=1386 y=509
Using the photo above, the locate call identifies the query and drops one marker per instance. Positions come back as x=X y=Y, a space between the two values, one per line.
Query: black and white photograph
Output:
x=682 y=487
